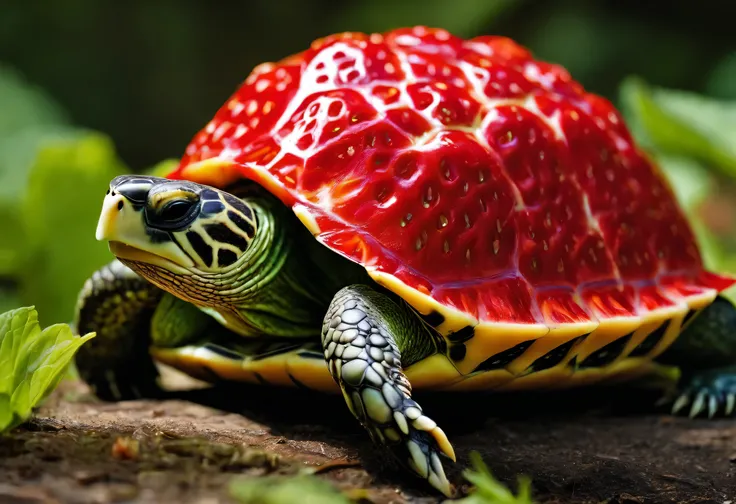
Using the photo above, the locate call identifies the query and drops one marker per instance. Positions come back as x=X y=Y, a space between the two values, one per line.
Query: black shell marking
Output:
x=224 y=352
x=606 y=354
x=648 y=344
x=503 y=359
x=433 y=318
x=462 y=335
x=554 y=356
x=688 y=317
x=458 y=351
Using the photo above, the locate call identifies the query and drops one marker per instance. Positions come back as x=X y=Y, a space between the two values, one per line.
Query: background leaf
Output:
x=25 y=105
x=683 y=123
x=67 y=183
x=29 y=117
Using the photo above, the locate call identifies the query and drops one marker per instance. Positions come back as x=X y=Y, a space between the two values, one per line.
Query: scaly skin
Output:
x=365 y=335
x=117 y=304
x=706 y=355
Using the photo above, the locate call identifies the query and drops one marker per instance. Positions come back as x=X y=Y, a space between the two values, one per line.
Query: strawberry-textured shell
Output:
x=487 y=188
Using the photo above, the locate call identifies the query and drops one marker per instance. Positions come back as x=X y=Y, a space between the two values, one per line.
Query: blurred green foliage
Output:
x=305 y=489
x=61 y=208
x=683 y=124
x=98 y=83
x=52 y=176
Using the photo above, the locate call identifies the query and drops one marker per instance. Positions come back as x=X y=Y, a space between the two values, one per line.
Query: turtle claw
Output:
x=712 y=393
x=680 y=403
x=730 y=403
x=412 y=437
x=698 y=404
x=712 y=406
x=425 y=462
x=422 y=445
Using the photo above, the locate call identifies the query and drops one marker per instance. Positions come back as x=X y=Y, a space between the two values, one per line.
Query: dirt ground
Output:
x=594 y=446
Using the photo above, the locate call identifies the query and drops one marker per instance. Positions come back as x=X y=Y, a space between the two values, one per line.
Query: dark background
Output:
x=150 y=73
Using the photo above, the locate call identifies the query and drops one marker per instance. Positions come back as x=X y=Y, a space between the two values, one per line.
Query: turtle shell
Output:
x=489 y=189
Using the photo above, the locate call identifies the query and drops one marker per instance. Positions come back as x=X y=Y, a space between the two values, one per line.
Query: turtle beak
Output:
x=122 y=223
x=115 y=222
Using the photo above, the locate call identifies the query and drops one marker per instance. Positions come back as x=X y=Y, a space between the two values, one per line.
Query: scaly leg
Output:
x=118 y=305
x=712 y=391
x=364 y=337
x=706 y=354
x=130 y=316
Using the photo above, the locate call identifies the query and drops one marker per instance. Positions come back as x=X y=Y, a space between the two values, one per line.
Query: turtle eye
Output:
x=174 y=214
x=176 y=210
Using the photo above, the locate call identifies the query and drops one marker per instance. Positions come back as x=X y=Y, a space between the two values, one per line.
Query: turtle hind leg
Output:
x=364 y=336
x=706 y=355
x=118 y=305
x=710 y=392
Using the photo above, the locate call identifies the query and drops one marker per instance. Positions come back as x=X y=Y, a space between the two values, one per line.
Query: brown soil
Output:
x=582 y=447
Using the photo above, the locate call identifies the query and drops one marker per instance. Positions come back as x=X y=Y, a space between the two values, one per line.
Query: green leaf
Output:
x=488 y=490
x=683 y=123
x=67 y=184
x=305 y=489
x=32 y=362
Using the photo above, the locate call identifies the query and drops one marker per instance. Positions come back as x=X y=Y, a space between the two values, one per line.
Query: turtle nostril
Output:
x=134 y=190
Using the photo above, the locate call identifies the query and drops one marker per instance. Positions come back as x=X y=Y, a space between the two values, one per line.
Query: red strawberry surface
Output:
x=490 y=181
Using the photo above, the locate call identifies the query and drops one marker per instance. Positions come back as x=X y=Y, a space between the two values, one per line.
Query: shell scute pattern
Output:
x=472 y=173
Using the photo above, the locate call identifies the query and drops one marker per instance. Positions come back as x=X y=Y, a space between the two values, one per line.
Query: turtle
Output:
x=408 y=210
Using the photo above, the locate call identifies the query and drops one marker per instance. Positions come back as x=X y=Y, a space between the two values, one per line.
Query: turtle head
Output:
x=181 y=236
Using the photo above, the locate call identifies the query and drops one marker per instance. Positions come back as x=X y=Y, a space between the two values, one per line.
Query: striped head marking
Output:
x=170 y=229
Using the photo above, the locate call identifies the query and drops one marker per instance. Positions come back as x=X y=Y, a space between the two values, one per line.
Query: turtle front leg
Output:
x=706 y=355
x=118 y=305
x=364 y=336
